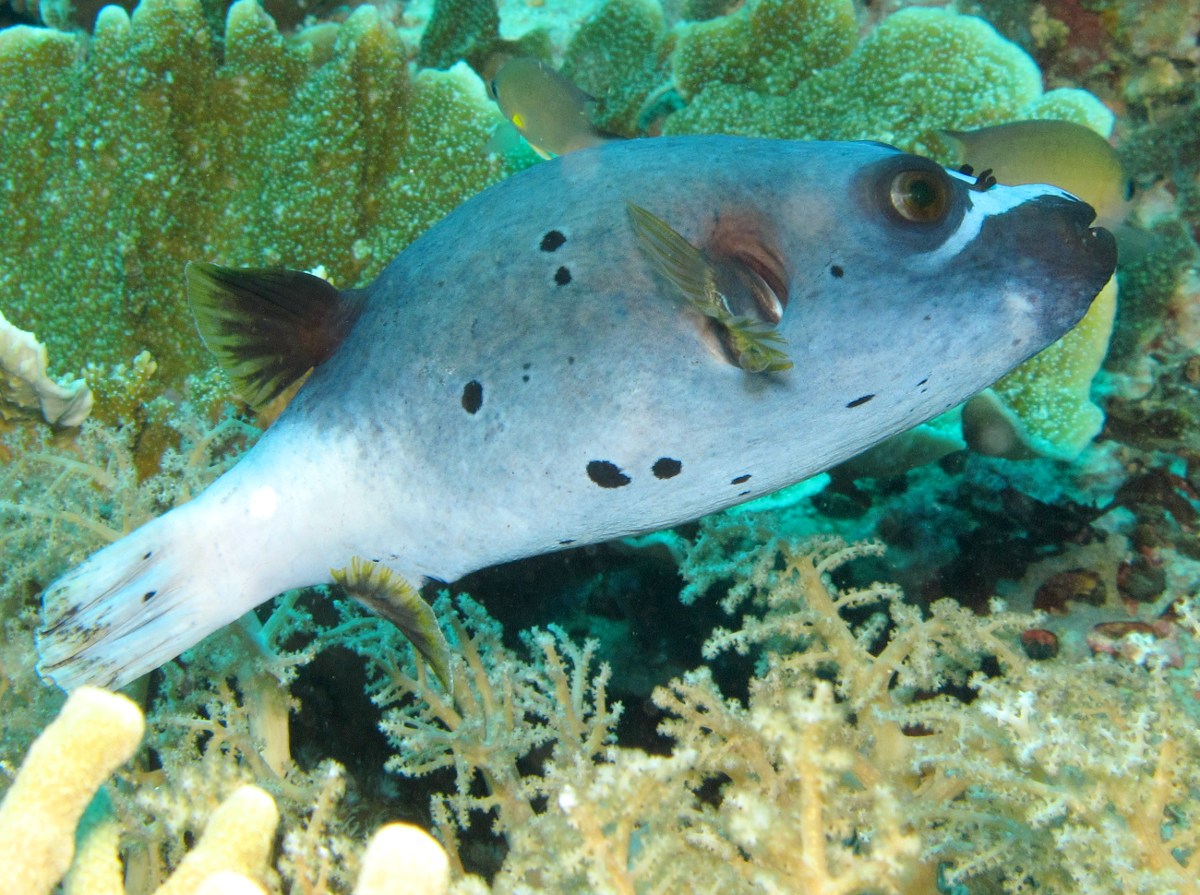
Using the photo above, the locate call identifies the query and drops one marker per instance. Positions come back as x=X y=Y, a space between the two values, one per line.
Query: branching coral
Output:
x=850 y=768
x=500 y=708
x=94 y=733
x=60 y=501
x=97 y=731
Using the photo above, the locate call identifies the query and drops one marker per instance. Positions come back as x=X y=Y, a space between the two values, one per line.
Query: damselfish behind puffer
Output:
x=618 y=340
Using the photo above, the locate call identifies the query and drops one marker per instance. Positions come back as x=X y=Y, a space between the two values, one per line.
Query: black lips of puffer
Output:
x=1062 y=258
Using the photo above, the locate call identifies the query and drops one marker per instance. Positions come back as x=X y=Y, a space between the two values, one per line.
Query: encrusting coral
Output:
x=153 y=147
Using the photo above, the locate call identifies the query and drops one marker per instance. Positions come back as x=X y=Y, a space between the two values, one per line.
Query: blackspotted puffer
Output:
x=618 y=340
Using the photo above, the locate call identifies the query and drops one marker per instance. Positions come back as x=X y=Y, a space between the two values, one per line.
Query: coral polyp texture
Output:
x=151 y=144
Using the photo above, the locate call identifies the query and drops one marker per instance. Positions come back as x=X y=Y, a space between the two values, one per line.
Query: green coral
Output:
x=153 y=148
x=767 y=46
x=968 y=76
x=619 y=56
x=459 y=29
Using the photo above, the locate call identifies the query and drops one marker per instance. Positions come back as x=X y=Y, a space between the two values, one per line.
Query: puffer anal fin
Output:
x=753 y=342
x=388 y=595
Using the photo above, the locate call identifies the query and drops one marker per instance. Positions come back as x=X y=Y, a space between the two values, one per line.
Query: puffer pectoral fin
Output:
x=387 y=594
x=268 y=327
x=754 y=342
x=751 y=341
x=677 y=260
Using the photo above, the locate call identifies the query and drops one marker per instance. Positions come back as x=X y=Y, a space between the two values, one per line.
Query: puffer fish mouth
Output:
x=1082 y=257
x=1098 y=241
x=1057 y=253
x=1098 y=246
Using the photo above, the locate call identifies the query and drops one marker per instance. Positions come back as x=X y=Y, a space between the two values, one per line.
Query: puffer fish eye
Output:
x=920 y=196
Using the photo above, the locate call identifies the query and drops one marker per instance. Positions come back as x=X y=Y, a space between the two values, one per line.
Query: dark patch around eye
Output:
x=562 y=276
x=606 y=474
x=472 y=396
x=552 y=241
x=742 y=479
x=837 y=271
x=666 y=467
x=859 y=402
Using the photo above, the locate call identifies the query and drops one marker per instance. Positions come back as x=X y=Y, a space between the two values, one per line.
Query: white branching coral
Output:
x=501 y=708
x=881 y=748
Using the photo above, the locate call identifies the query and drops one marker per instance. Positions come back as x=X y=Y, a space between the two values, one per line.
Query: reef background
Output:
x=1016 y=711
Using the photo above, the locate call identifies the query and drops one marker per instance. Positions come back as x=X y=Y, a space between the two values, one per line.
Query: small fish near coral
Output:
x=615 y=341
x=549 y=111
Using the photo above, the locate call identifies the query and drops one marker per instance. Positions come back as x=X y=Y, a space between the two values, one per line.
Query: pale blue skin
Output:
x=378 y=457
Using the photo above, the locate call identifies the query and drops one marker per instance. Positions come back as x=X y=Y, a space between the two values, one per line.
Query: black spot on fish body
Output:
x=149 y=595
x=859 y=402
x=740 y=480
x=562 y=276
x=472 y=396
x=666 y=467
x=552 y=241
x=149 y=553
x=923 y=381
x=566 y=542
x=743 y=493
x=525 y=378
x=606 y=474
x=837 y=271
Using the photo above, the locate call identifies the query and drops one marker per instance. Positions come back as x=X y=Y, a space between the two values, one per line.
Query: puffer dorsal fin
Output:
x=268 y=327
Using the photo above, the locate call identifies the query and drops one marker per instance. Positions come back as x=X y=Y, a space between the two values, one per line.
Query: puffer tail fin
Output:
x=131 y=607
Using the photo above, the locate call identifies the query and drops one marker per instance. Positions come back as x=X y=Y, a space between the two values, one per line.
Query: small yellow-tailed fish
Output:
x=1070 y=156
x=550 y=112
